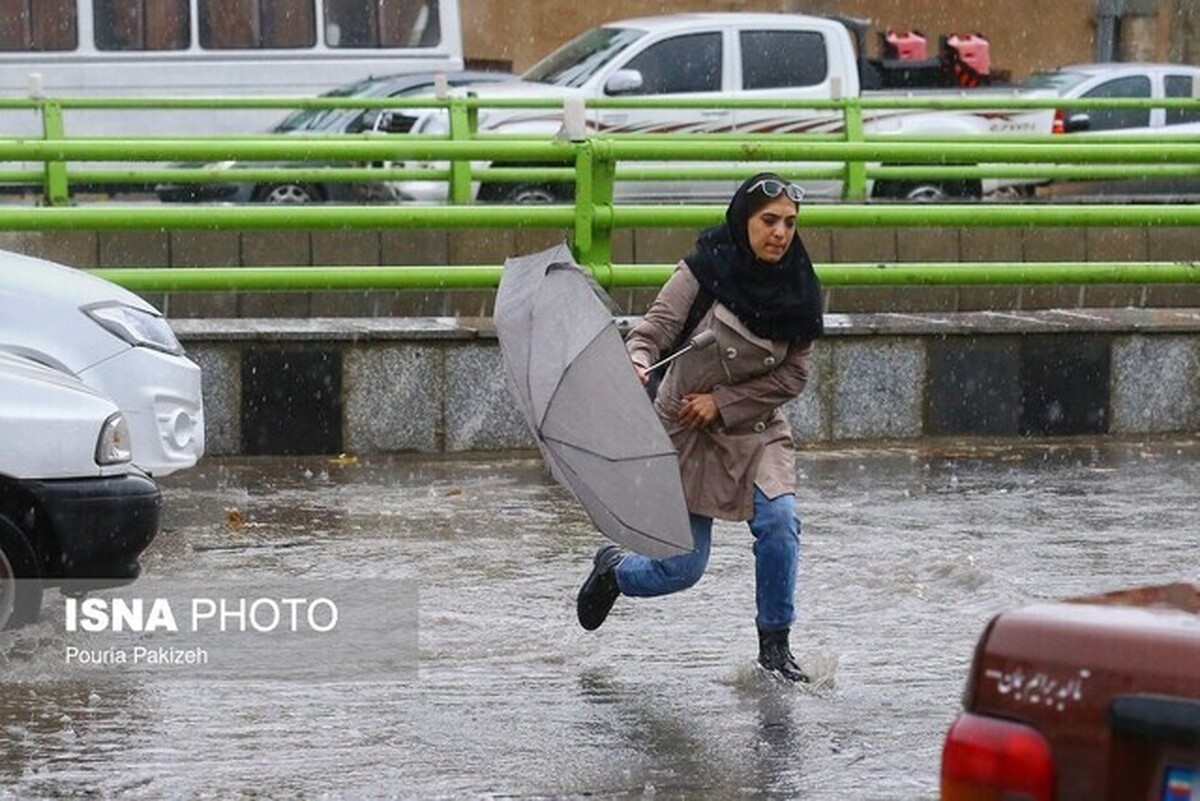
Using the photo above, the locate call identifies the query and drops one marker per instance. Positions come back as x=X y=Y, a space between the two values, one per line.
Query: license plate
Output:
x=1181 y=784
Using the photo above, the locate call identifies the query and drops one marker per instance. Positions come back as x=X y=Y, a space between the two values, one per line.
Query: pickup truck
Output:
x=1090 y=698
x=717 y=56
x=72 y=507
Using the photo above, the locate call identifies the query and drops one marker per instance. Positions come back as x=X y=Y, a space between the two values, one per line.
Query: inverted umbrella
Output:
x=573 y=382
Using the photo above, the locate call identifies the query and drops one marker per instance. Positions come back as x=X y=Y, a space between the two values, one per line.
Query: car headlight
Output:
x=135 y=326
x=114 y=446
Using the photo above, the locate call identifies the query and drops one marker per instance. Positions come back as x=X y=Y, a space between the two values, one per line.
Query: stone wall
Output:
x=437 y=385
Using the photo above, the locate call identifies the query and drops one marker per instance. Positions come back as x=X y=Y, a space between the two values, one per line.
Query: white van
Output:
x=72 y=507
x=114 y=342
x=211 y=48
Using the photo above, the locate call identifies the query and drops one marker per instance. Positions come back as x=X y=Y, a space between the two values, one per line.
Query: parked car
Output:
x=1088 y=698
x=72 y=506
x=114 y=342
x=1131 y=80
x=326 y=121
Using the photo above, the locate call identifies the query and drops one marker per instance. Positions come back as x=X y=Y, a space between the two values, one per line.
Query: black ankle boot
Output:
x=775 y=656
x=600 y=591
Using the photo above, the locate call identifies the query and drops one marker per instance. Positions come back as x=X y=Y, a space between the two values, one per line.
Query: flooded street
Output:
x=906 y=553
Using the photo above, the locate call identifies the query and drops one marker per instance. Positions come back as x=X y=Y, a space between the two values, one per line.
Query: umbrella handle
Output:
x=699 y=342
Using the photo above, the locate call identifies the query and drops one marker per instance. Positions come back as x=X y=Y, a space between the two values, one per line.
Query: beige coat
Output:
x=749 y=377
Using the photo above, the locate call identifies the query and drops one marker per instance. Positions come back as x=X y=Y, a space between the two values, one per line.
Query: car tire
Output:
x=527 y=194
x=287 y=194
x=927 y=191
x=20 y=579
x=536 y=194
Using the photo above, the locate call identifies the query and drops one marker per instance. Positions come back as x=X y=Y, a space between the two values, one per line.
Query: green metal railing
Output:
x=461 y=114
x=593 y=166
x=215 y=279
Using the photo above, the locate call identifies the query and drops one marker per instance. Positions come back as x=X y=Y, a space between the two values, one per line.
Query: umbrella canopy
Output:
x=572 y=380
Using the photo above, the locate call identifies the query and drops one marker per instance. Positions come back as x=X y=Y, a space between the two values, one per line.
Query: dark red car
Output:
x=1088 y=698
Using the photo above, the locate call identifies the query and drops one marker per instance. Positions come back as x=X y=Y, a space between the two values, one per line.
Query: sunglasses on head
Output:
x=773 y=188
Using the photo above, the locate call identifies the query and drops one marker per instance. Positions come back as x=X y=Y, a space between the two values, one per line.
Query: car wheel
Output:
x=532 y=194
x=927 y=191
x=289 y=194
x=20 y=579
x=527 y=193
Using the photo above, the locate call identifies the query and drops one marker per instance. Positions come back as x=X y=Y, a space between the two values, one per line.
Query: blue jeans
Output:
x=776 y=554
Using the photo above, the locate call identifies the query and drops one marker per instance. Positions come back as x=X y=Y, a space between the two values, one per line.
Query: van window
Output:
x=690 y=63
x=1112 y=119
x=386 y=23
x=141 y=24
x=780 y=59
x=253 y=25
x=1180 y=86
x=38 y=25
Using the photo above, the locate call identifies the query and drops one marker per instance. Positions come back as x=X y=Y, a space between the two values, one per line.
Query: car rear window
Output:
x=779 y=59
x=1181 y=86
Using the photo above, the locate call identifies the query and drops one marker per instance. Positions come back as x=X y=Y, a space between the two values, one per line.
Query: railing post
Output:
x=854 y=187
x=595 y=173
x=55 y=191
x=464 y=122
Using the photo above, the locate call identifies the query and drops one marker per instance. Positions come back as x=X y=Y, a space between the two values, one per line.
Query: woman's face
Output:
x=771 y=229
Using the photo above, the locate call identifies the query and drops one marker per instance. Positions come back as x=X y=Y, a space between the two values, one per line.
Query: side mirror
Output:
x=623 y=82
x=1076 y=122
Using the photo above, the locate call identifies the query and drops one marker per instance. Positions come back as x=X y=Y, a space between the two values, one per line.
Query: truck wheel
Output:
x=289 y=194
x=927 y=191
x=20 y=579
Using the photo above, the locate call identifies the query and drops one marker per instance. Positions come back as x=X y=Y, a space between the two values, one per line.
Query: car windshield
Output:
x=314 y=119
x=1060 y=81
x=577 y=60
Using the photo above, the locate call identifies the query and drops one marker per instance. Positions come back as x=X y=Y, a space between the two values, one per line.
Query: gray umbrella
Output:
x=572 y=380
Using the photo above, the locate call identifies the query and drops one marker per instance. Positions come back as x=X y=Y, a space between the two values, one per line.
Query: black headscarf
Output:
x=774 y=301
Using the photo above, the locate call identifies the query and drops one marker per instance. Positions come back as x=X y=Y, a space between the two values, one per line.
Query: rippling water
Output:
x=906 y=554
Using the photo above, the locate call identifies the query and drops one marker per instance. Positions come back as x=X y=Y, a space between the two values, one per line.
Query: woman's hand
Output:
x=699 y=410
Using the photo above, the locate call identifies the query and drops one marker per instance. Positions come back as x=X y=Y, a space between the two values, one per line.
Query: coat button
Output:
x=760 y=427
x=731 y=353
x=769 y=361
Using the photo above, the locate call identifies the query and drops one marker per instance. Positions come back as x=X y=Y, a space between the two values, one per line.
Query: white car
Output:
x=1125 y=80
x=1122 y=80
x=72 y=507
x=114 y=342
